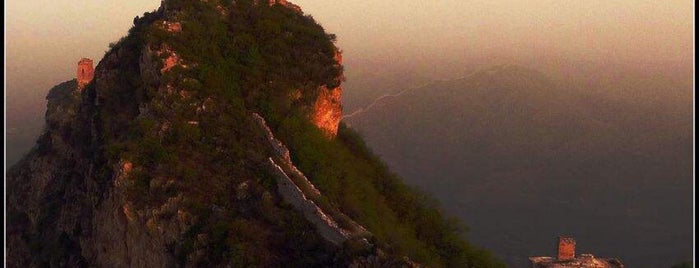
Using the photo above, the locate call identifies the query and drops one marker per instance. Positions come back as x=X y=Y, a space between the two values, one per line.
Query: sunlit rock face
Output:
x=171 y=61
x=327 y=110
x=173 y=27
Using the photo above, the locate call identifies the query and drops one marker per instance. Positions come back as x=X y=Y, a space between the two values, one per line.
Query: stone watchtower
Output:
x=566 y=258
x=85 y=73
x=566 y=248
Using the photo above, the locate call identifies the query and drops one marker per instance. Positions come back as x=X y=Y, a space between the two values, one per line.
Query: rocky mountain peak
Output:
x=210 y=136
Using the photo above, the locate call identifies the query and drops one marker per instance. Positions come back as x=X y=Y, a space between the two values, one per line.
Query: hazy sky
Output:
x=46 y=38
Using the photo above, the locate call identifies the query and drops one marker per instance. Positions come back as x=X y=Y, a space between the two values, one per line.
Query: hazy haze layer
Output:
x=384 y=42
x=46 y=38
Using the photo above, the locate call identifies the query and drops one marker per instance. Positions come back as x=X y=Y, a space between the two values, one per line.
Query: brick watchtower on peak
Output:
x=85 y=73
x=566 y=248
x=567 y=258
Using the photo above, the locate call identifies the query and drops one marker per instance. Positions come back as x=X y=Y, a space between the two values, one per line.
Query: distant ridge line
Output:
x=377 y=100
x=423 y=85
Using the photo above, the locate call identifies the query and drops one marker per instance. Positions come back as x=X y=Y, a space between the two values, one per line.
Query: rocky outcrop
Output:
x=327 y=109
x=124 y=236
x=38 y=217
x=172 y=26
x=68 y=206
x=171 y=59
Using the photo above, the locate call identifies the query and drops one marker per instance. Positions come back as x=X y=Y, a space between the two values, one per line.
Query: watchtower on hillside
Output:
x=567 y=258
x=85 y=73
x=566 y=248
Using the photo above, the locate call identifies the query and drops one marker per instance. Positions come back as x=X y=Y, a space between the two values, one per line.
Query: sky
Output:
x=46 y=38
x=599 y=28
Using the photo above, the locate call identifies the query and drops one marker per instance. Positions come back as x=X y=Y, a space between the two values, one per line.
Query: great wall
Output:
x=326 y=224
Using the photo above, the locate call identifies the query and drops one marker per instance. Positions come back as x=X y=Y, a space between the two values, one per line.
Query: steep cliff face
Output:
x=159 y=161
x=67 y=204
x=327 y=110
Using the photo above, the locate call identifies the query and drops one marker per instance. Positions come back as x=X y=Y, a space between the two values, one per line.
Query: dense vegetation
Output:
x=202 y=144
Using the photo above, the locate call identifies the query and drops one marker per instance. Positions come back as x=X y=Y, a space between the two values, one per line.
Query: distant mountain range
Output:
x=523 y=158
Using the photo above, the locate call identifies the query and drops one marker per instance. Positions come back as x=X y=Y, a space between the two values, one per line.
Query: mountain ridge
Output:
x=157 y=161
